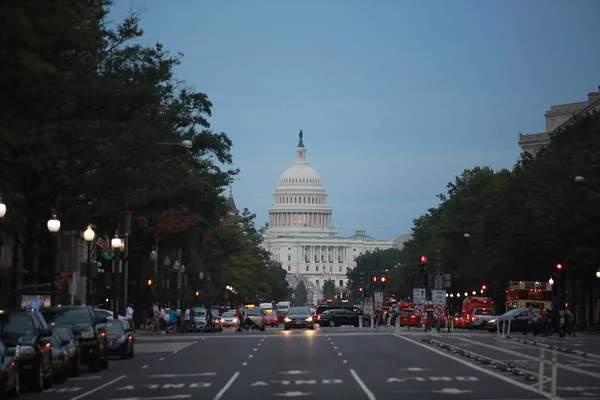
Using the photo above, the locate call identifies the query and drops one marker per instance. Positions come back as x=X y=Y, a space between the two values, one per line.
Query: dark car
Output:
x=29 y=331
x=338 y=317
x=9 y=372
x=60 y=358
x=89 y=329
x=120 y=339
x=298 y=317
x=74 y=357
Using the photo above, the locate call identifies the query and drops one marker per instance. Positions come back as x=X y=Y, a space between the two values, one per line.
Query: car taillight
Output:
x=319 y=317
x=475 y=319
x=412 y=317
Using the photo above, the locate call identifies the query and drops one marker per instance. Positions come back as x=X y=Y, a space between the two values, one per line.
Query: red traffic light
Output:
x=423 y=259
x=360 y=289
x=558 y=266
x=383 y=279
x=483 y=287
x=374 y=278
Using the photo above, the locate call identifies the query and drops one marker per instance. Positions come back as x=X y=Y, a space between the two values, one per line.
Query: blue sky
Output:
x=395 y=97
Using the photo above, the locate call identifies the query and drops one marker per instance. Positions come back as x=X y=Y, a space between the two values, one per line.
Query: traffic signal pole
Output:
x=437 y=263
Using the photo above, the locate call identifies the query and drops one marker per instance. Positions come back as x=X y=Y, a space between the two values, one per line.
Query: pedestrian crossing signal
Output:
x=197 y=293
x=149 y=282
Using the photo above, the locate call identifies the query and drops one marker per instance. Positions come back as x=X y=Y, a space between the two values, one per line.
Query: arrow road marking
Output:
x=292 y=394
x=183 y=375
x=294 y=372
x=452 y=391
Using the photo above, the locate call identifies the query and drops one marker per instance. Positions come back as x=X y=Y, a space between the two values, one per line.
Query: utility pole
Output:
x=437 y=263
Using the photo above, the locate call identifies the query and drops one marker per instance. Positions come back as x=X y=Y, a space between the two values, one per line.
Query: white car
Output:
x=108 y=314
x=230 y=320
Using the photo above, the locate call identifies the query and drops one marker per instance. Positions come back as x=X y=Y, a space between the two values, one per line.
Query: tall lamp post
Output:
x=115 y=243
x=88 y=235
x=53 y=226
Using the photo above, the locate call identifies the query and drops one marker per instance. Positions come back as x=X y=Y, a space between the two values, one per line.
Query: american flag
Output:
x=103 y=243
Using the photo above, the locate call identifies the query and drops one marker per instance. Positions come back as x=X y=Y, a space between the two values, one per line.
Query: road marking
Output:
x=260 y=344
x=250 y=356
x=255 y=349
x=85 y=378
x=574 y=356
x=362 y=385
x=558 y=364
x=144 y=366
x=175 y=352
x=294 y=372
x=340 y=354
x=478 y=368
x=160 y=359
x=292 y=394
x=81 y=396
x=335 y=347
x=179 y=396
x=244 y=363
x=414 y=369
x=183 y=375
x=344 y=361
x=229 y=383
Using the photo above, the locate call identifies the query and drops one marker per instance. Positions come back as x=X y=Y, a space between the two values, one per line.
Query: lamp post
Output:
x=598 y=274
x=53 y=226
x=88 y=235
x=180 y=268
x=115 y=244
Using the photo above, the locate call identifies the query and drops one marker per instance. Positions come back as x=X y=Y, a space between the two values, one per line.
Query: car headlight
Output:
x=492 y=321
x=309 y=319
x=287 y=319
x=235 y=320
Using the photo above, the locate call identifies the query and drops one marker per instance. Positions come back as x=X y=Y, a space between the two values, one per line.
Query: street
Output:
x=327 y=363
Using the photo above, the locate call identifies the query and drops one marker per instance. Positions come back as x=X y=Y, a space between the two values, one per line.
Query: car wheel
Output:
x=132 y=353
x=48 y=379
x=94 y=364
x=37 y=383
x=331 y=323
x=76 y=369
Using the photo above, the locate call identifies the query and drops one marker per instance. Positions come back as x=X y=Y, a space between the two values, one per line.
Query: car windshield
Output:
x=115 y=327
x=406 y=312
x=103 y=313
x=229 y=314
x=483 y=311
x=512 y=312
x=68 y=316
x=215 y=312
x=255 y=312
x=299 y=311
x=16 y=323
x=200 y=312
x=63 y=332
x=272 y=314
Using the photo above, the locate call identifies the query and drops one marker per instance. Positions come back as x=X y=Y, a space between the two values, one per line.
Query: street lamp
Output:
x=598 y=273
x=2 y=208
x=551 y=281
x=153 y=254
x=201 y=275
x=186 y=144
x=474 y=293
x=579 y=179
x=53 y=227
x=115 y=243
x=88 y=235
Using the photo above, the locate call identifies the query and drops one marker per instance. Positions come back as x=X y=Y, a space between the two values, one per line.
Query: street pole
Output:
x=126 y=274
x=179 y=280
x=88 y=282
x=56 y=269
x=437 y=261
x=117 y=284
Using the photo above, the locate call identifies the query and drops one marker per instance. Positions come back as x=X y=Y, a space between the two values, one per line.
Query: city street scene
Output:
x=170 y=172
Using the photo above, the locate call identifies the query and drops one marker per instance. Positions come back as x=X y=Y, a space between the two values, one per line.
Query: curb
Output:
x=552 y=347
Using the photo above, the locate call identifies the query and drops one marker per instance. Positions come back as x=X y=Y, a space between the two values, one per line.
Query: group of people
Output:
x=162 y=319
x=550 y=322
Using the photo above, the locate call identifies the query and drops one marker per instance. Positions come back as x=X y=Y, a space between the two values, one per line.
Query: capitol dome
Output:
x=300 y=200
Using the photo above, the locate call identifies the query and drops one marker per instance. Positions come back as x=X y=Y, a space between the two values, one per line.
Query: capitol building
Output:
x=300 y=232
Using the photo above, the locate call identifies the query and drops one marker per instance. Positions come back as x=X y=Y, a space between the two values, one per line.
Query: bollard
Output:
x=397 y=328
x=541 y=371
x=498 y=326
x=554 y=373
x=509 y=321
x=373 y=321
x=360 y=321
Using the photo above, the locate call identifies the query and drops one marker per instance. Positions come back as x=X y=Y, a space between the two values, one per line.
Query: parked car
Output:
x=120 y=339
x=89 y=329
x=9 y=372
x=29 y=331
x=74 y=356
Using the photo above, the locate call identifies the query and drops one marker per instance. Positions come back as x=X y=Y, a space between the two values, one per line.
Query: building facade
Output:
x=556 y=118
x=300 y=232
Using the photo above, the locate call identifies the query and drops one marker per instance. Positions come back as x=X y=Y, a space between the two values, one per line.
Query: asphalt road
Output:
x=349 y=363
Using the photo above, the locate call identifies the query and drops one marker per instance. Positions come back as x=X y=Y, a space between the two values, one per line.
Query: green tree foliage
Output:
x=329 y=289
x=300 y=294
x=521 y=222
x=90 y=122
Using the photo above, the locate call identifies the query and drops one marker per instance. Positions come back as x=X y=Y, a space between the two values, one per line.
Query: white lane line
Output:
x=362 y=385
x=480 y=369
x=81 y=396
x=203 y=338
x=144 y=366
x=345 y=361
x=160 y=359
x=85 y=378
x=250 y=356
x=244 y=363
x=340 y=354
x=255 y=349
x=183 y=375
x=335 y=347
x=178 y=396
x=225 y=388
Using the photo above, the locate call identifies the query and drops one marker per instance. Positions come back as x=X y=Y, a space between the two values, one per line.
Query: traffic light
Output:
x=344 y=295
x=383 y=280
x=374 y=279
x=149 y=284
x=361 y=279
x=197 y=294
x=423 y=262
x=437 y=259
x=483 y=287
x=559 y=267
x=338 y=296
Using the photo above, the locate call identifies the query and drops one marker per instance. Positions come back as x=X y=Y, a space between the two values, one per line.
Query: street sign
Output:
x=438 y=310
x=419 y=296
x=438 y=296
x=66 y=276
x=420 y=310
x=368 y=306
x=378 y=297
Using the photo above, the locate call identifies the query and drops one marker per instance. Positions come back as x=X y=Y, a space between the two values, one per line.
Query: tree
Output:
x=329 y=289
x=300 y=295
